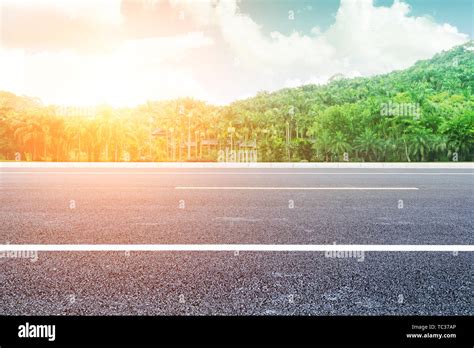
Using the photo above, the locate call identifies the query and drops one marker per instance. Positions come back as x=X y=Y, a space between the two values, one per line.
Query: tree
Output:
x=339 y=144
x=459 y=132
x=368 y=143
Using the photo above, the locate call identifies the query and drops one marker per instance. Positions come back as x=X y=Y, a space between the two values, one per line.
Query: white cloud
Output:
x=381 y=39
x=134 y=72
x=364 y=40
x=122 y=69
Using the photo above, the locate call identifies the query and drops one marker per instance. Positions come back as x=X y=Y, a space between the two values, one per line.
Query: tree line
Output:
x=424 y=113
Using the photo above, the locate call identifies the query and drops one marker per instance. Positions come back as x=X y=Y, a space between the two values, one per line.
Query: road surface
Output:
x=238 y=207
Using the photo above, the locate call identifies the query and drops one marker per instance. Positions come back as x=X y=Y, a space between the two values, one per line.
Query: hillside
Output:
x=348 y=115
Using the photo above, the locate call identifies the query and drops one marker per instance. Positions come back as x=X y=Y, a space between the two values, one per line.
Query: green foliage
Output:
x=424 y=113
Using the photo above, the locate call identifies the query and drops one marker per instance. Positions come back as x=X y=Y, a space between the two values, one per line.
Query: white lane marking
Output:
x=232 y=247
x=288 y=188
x=234 y=188
x=231 y=173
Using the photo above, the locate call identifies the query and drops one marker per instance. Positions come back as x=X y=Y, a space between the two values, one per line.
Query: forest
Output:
x=423 y=113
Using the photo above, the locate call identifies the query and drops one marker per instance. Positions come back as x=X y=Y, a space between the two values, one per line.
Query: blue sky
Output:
x=272 y=14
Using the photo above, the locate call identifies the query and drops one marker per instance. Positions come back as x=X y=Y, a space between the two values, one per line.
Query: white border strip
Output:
x=231 y=247
x=281 y=165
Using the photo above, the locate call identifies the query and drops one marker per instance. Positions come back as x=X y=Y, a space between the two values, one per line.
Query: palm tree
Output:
x=339 y=144
x=323 y=145
x=368 y=143
x=105 y=130
x=459 y=134
x=419 y=142
x=58 y=138
x=77 y=130
x=29 y=133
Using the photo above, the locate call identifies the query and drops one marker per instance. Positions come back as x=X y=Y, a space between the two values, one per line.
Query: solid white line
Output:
x=289 y=188
x=231 y=247
x=230 y=173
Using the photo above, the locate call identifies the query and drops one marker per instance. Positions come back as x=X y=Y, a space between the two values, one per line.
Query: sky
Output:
x=125 y=52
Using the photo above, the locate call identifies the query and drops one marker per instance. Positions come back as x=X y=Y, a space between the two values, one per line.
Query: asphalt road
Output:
x=250 y=206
